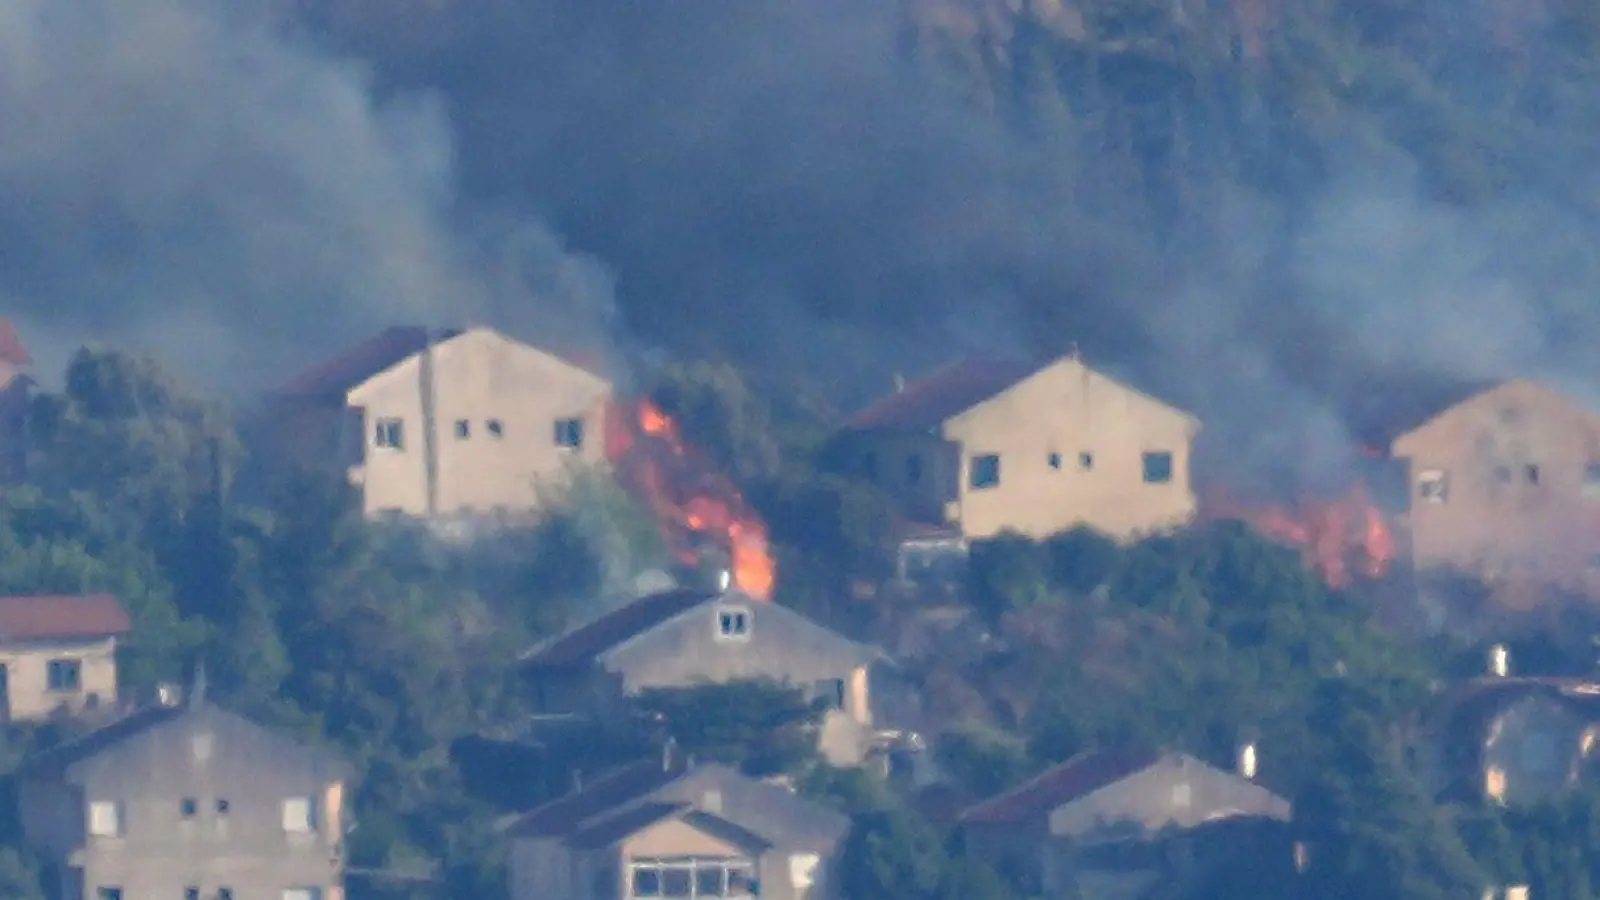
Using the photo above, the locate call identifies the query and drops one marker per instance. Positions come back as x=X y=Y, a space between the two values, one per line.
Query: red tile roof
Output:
x=1077 y=777
x=43 y=618
x=581 y=645
x=349 y=369
x=929 y=402
x=12 y=350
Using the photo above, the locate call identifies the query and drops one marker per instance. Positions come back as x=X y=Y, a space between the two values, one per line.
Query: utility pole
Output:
x=430 y=437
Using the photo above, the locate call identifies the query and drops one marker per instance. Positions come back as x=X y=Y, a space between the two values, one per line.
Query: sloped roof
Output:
x=634 y=797
x=929 y=402
x=343 y=373
x=61 y=616
x=1077 y=777
x=582 y=644
x=1384 y=412
x=12 y=350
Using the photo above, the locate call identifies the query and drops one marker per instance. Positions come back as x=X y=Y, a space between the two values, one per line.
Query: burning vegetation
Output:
x=693 y=502
x=1342 y=538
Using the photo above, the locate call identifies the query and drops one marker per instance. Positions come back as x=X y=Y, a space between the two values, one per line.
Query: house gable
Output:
x=929 y=402
x=1487 y=409
x=511 y=364
x=1178 y=791
x=776 y=642
x=1050 y=392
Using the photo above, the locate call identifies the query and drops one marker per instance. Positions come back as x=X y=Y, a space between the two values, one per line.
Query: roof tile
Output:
x=61 y=616
x=351 y=368
x=1077 y=777
x=929 y=402
x=582 y=644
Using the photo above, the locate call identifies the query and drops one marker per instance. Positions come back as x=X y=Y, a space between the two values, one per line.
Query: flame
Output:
x=689 y=498
x=1338 y=537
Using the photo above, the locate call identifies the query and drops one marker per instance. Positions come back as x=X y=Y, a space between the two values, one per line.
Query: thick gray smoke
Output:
x=179 y=176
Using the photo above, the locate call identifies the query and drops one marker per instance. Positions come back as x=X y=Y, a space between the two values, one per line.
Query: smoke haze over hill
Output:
x=775 y=182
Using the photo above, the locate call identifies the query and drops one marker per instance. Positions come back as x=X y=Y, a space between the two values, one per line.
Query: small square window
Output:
x=1055 y=460
x=463 y=429
x=985 y=472
x=1158 y=467
x=108 y=893
x=299 y=815
x=569 y=433
x=1531 y=472
x=497 y=429
x=64 y=675
x=389 y=434
x=188 y=808
x=222 y=806
x=105 y=818
x=733 y=622
x=1086 y=461
x=1181 y=795
x=647 y=882
x=191 y=893
x=225 y=893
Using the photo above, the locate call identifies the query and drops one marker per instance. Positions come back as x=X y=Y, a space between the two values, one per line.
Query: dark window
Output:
x=1055 y=460
x=913 y=469
x=496 y=428
x=108 y=893
x=1157 y=467
x=646 y=882
x=569 y=433
x=1086 y=461
x=191 y=893
x=985 y=472
x=1433 y=486
x=64 y=674
x=188 y=807
x=1531 y=472
x=676 y=882
x=390 y=433
x=463 y=429
x=708 y=881
x=224 y=893
x=733 y=623
x=222 y=806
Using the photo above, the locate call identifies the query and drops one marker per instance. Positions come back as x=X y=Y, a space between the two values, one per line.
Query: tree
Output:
x=760 y=726
x=1007 y=572
x=891 y=855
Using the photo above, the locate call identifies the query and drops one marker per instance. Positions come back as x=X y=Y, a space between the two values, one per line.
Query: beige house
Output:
x=59 y=653
x=983 y=447
x=1505 y=485
x=185 y=799
x=443 y=424
x=663 y=828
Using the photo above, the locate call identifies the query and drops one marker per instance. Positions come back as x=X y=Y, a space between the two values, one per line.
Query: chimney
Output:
x=197 y=688
x=1247 y=760
x=1499 y=661
x=899 y=383
x=724 y=580
x=667 y=754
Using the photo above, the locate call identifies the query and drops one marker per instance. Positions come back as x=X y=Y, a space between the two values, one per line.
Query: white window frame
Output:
x=733 y=623
x=1433 y=486
x=302 y=893
x=389 y=433
x=299 y=815
x=98 y=814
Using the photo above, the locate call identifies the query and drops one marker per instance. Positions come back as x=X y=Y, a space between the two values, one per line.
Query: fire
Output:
x=689 y=498
x=1339 y=538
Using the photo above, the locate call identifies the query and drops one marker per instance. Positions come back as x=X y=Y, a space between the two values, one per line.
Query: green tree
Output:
x=890 y=854
x=761 y=726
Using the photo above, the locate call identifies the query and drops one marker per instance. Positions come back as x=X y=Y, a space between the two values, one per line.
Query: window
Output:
x=108 y=893
x=1086 y=461
x=1181 y=795
x=222 y=806
x=913 y=469
x=225 y=893
x=708 y=882
x=1502 y=474
x=302 y=893
x=496 y=429
x=1158 y=467
x=1433 y=486
x=1531 y=472
x=463 y=429
x=191 y=893
x=188 y=808
x=64 y=675
x=569 y=433
x=299 y=815
x=105 y=818
x=1055 y=460
x=985 y=472
x=676 y=881
x=646 y=882
x=733 y=622
x=390 y=434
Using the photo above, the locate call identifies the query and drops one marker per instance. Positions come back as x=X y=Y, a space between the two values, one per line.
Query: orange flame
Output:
x=1334 y=536
x=687 y=497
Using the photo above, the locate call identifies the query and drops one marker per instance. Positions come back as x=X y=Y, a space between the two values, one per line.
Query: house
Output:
x=187 y=800
x=59 y=653
x=980 y=447
x=1117 y=823
x=16 y=390
x=1499 y=482
x=667 y=828
x=1512 y=740
x=681 y=638
x=442 y=424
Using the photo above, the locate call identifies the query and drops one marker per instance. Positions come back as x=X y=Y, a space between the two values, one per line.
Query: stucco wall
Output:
x=27 y=676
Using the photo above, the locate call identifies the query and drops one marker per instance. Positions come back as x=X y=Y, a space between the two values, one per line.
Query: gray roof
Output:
x=63 y=760
x=637 y=796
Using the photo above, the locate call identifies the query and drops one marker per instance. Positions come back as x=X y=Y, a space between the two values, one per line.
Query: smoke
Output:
x=181 y=177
